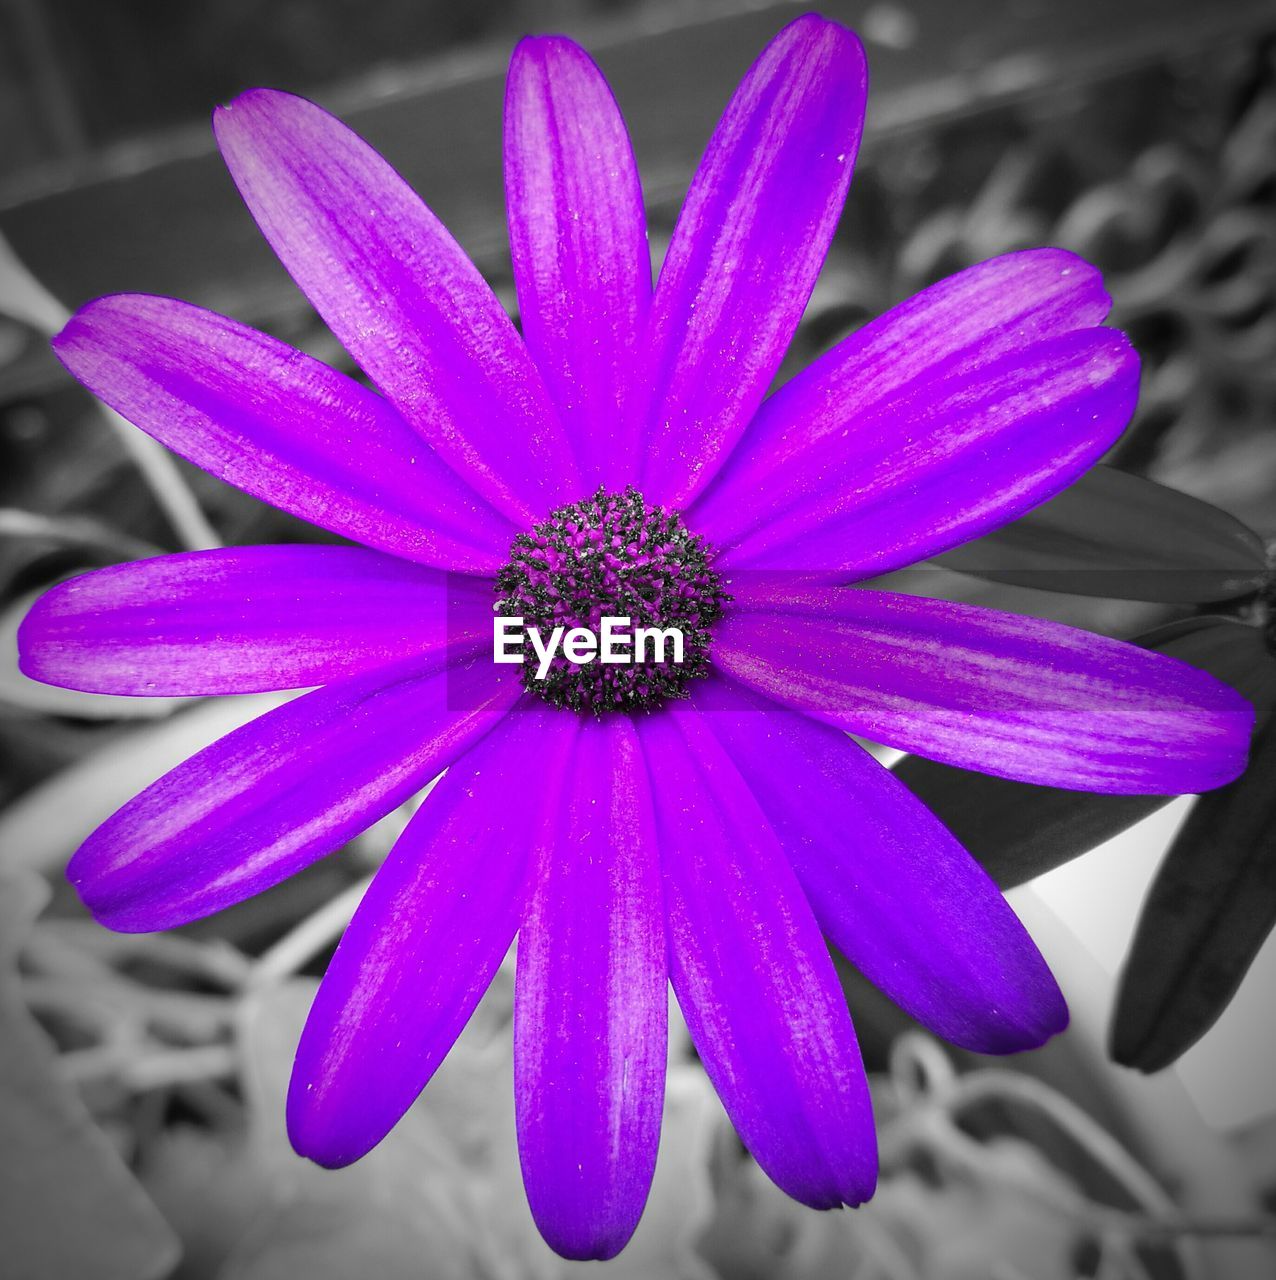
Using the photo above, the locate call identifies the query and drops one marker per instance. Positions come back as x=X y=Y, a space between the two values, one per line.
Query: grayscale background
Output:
x=141 y=1079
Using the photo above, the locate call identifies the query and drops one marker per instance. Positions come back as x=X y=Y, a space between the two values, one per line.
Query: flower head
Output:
x=640 y=826
x=613 y=556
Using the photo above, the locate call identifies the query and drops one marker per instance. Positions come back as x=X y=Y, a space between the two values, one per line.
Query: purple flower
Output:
x=701 y=824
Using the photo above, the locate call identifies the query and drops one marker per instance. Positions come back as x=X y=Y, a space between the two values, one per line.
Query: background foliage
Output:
x=141 y=1078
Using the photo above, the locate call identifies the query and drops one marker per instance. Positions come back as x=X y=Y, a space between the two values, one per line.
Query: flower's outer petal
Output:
x=282 y=791
x=401 y=296
x=246 y=620
x=427 y=939
x=753 y=976
x=748 y=245
x=591 y=1004
x=892 y=889
x=950 y=461
x=578 y=239
x=949 y=330
x=1012 y=696
x=1018 y=832
x=280 y=425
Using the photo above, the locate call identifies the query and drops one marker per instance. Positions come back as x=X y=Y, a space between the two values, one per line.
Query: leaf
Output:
x=681 y=1201
x=1117 y=535
x=472 y=1096
x=68 y=1204
x=44 y=827
x=1210 y=909
x=1019 y=831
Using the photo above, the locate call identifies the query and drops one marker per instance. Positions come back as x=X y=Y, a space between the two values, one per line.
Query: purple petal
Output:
x=402 y=297
x=281 y=426
x=892 y=889
x=952 y=460
x=948 y=332
x=578 y=237
x=752 y=974
x=747 y=248
x=286 y=789
x=590 y=1004
x=1006 y=695
x=427 y=939
x=247 y=619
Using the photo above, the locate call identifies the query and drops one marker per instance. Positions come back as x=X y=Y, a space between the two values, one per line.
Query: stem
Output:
x=171 y=492
x=311 y=936
x=1170 y=1228
x=1100 y=1145
x=104 y=1001
x=27 y=300
x=935 y=1096
x=153 y=1070
x=83 y=531
x=216 y=960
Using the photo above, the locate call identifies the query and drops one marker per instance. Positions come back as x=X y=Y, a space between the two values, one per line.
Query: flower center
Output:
x=612 y=556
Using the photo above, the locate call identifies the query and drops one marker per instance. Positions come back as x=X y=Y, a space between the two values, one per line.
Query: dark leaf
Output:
x=68 y=1205
x=1210 y=909
x=1117 y=535
x=1018 y=831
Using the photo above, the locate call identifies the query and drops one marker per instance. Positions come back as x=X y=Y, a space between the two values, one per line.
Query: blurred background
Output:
x=141 y=1078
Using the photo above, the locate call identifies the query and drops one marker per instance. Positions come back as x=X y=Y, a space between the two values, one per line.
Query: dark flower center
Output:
x=611 y=556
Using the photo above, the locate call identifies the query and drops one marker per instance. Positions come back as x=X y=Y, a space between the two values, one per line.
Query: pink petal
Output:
x=748 y=245
x=949 y=331
x=890 y=887
x=961 y=456
x=427 y=939
x=281 y=426
x=591 y=1002
x=753 y=976
x=578 y=236
x=1006 y=695
x=282 y=791
x=247 y=619
x=402 y=297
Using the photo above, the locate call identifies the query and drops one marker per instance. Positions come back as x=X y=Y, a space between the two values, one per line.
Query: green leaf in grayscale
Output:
x=1018 y=831
x=1211 y=907
x=1117 y=535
